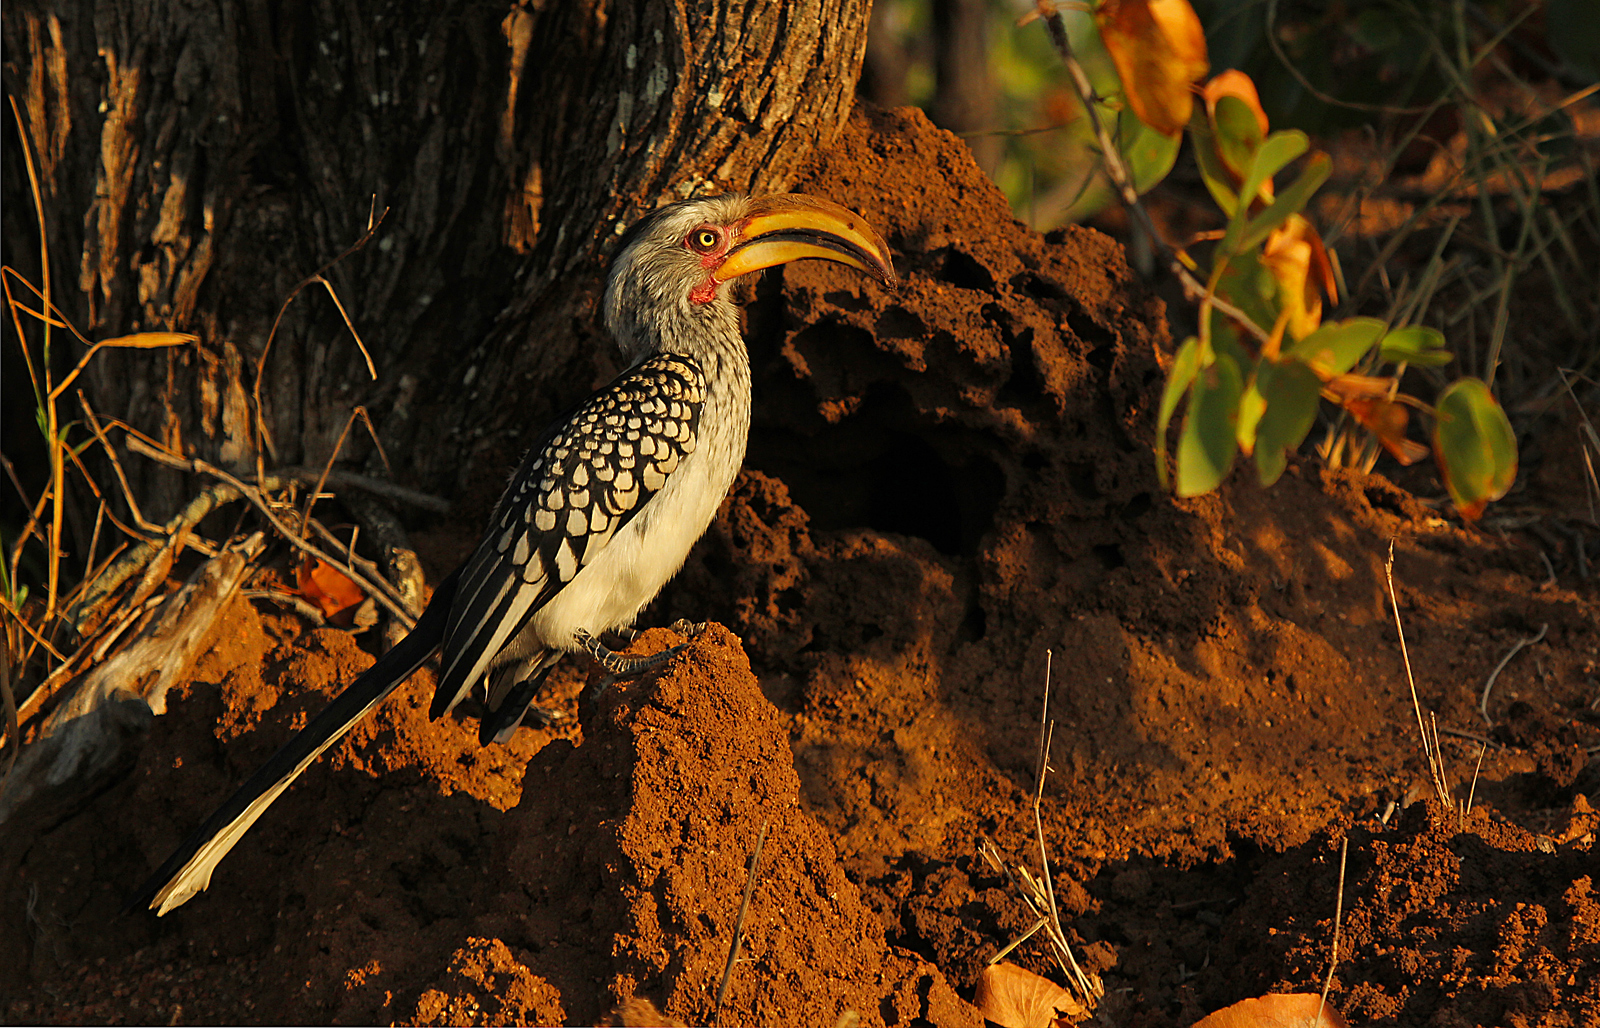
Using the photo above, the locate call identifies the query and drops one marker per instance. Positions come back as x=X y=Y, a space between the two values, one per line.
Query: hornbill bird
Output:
x=605 y=506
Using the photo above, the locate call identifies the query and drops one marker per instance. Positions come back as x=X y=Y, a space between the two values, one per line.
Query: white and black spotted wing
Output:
x=579 y=486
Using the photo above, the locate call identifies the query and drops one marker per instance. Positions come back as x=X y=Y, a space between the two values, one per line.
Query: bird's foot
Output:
x=624 y=666
x=620 y=665
x=622 y=637
x=686 y=628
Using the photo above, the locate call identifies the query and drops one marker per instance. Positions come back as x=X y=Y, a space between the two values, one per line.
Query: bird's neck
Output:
x=712 y=338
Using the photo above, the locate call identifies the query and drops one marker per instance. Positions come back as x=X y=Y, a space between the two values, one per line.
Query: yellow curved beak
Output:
x=792 y=226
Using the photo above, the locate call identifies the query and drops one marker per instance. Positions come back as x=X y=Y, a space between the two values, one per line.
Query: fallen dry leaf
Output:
x=1292 y=1010
x=1013 y=997
x=1387 y=420
x=328 y=588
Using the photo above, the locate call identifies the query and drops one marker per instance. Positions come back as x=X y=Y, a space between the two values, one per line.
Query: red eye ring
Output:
x=703 y=240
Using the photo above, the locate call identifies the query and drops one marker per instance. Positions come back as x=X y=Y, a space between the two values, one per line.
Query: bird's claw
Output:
x=623 y=636
x=622 y=665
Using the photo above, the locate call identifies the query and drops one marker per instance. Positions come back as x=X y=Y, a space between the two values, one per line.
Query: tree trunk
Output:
x=964 y=92
x=198 y=161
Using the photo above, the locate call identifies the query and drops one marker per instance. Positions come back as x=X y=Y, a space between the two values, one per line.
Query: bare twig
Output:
x=1483 y=701
x=322 y=480
x=738 y=927
x=116 y=464
x=295 y=603
x=366 y=483
x=263 y=439
x=379 y=592
x=134 y=560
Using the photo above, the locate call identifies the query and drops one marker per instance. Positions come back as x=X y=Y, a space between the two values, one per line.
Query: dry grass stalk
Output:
x=1430 y=739
x=1038 y=893
x=1338 y=922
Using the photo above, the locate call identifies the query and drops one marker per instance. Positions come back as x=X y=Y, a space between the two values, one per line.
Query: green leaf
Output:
x=1474 y=446
x=1273 y=156
x=1184 y=367
x=1336 y=346
x=1291 y=201
x=1292 y=391
x=1277 y=151
x=1251 y=406
x=1208 y=442
x=1213 y=172
x=1238 y=133
x=1148 y=154
x=1248 y=285
x=1415 y=344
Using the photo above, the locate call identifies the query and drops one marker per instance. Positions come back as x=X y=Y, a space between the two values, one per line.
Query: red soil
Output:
x=944 y=484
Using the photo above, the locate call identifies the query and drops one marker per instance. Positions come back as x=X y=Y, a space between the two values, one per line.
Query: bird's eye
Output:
x=704 y=240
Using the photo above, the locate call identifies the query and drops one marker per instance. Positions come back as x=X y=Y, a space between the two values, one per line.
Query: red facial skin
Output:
x=710 y=259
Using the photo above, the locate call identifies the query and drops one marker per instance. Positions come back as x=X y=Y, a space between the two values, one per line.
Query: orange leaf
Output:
x=1013 y=997
x=1298 y=1010
x=1387 y=420
x=1294 y=255
x=327 y=587
x=1159 y=50
x=1344 y=388
x=1234 y=83
x=1235 y=143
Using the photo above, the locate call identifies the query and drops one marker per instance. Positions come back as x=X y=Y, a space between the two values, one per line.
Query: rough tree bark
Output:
x=197 y=161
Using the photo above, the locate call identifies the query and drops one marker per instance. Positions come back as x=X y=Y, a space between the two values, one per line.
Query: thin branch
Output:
x=380 y=593
x=263 y=440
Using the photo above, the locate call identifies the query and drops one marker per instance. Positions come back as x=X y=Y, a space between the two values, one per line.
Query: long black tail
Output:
x=188 y=870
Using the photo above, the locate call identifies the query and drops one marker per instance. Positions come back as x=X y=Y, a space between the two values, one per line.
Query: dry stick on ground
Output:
x=366 y=483
x=379 y=592
x=738 y=927
x=1483 y=701
x=136 y=559
x=1430 y=749
x=290 y=600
